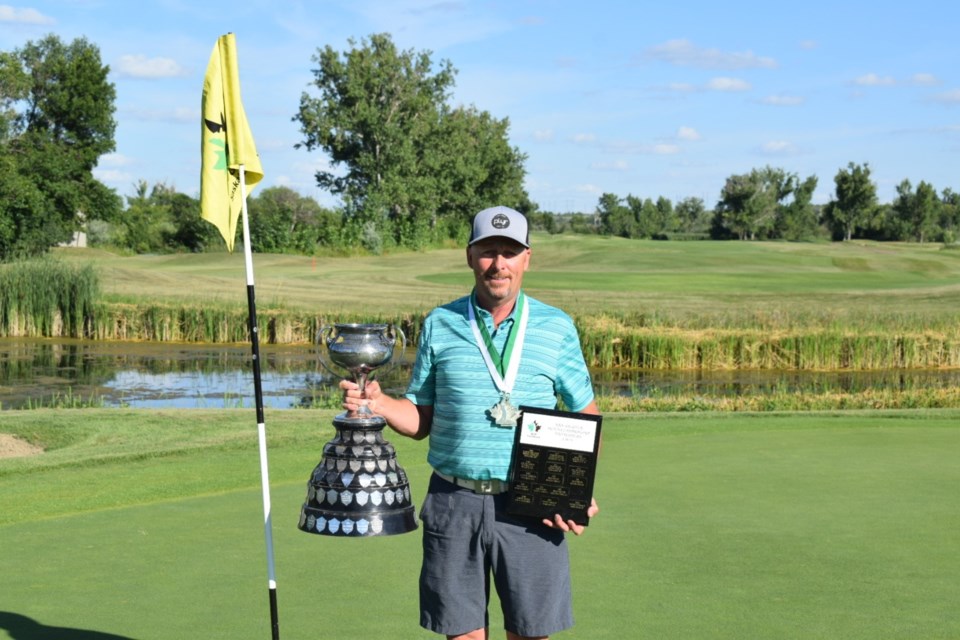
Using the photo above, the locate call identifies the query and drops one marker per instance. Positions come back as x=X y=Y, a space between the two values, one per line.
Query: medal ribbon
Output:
x=503 y=367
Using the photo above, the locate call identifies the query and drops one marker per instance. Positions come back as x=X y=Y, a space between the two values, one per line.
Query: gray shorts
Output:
x=466 y=537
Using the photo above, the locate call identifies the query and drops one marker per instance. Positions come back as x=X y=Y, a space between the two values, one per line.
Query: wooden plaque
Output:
x=554 y=464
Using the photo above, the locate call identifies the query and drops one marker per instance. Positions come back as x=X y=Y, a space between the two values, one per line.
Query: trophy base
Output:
x=358 y=489
x=335 y=523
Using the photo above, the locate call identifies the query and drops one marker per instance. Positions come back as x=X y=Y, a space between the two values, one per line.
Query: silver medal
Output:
x=504 y=413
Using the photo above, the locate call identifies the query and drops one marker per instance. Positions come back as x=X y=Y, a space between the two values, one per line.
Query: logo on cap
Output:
x=500 y=221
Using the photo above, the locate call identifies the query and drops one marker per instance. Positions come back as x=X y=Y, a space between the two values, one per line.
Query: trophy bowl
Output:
x=359 y=350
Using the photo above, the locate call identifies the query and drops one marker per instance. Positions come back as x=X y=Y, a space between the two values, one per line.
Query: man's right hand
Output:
x=353 y=399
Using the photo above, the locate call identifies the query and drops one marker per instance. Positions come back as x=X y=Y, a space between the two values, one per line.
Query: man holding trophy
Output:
x=479 y=358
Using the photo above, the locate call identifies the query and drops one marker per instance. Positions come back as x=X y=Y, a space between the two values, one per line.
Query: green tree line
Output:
x=56 y=120
x=409 y=169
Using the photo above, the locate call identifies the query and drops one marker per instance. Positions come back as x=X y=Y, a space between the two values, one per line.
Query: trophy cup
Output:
x=358 y=489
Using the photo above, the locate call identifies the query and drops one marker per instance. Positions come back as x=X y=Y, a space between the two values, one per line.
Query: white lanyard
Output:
x=504 y=384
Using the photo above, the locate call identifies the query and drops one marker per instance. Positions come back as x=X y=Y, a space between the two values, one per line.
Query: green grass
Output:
x=148 y=524
x=585 y=275
x=637 y=304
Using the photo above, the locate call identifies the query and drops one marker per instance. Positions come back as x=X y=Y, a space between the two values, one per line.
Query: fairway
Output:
x=581 y=274
x=833 y=525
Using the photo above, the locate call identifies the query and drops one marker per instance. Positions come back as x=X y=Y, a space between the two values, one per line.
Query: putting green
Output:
x=711 y=526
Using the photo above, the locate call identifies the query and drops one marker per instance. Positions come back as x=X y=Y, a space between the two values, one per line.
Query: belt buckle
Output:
x=484 y=486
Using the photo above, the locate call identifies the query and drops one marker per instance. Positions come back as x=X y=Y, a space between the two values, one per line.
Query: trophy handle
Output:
x=323 y=338
x=403 y=345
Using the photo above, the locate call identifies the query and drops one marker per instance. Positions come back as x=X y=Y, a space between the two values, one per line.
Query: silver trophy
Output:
x=358 y=489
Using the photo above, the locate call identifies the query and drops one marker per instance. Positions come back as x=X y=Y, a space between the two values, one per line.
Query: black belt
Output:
x=490 y=487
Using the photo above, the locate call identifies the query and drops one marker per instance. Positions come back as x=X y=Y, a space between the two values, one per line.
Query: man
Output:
x=478 y=359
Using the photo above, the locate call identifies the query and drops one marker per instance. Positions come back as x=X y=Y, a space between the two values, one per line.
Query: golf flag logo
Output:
x=226 y=144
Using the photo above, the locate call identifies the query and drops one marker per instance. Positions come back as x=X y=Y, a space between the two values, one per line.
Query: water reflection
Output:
x=153 y=375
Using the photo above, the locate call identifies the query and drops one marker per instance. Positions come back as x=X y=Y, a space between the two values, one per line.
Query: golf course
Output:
x=717 y=520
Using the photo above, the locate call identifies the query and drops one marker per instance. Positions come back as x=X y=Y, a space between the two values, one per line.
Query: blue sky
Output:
x=603 y=96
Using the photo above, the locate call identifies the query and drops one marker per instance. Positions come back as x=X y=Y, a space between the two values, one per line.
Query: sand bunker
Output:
x=13 y=447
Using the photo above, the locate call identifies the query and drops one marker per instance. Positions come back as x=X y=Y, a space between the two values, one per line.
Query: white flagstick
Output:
x=261 y=426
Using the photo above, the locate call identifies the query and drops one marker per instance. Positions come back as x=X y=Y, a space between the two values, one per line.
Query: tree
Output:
x=917 y=211
x=949 y=215
x=14 y=85
x=471 y=164
x=798 y=220
x=19 y=199
x=146 y=224
x=748 y=202
x=855 y=201
x=615 y=218
x=402 y=158
x=692 y=215
x=666 y=220
x=190 y=232
x=65 y=123
x=283 y=221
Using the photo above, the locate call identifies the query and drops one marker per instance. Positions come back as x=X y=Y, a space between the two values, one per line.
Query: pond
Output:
x=165 y=375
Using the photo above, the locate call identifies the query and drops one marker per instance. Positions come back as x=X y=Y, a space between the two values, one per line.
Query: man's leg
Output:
x=454 y=588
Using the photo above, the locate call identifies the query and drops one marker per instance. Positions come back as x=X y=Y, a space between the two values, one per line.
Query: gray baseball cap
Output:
x=501 y=222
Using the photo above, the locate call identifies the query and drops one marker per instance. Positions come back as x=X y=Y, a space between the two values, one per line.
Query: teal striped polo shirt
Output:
x=450 y=375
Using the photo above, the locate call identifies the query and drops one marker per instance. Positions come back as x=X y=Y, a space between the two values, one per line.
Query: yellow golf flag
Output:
x=226 y=143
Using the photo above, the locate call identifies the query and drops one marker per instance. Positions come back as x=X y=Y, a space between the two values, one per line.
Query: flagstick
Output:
x=258 y=395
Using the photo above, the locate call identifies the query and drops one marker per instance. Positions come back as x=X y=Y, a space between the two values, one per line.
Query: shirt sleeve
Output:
x=422 y=388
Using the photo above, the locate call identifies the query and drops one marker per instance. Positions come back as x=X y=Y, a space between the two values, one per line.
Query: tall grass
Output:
x=612 y=342
x=47 y=298
x=609 y=341
x=226 y=324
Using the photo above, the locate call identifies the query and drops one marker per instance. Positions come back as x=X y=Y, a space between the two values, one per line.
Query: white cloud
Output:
x=140 y=66
x=665 y=149
x=688 y=133
x=114 y=177
x=543 y=135
x=778 y=148
x=783 y=101
x=684 y=53
x=809 y=45
x=874 y=80
x=728 y=84
x=616 y=165
x=640 y=148
x=924 y=79
x=588 y=188
x=584 y=138
x=23 y=16
x=114 y=160
x=948 y=97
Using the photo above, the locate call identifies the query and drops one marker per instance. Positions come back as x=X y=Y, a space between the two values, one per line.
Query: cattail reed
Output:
x=47 y=298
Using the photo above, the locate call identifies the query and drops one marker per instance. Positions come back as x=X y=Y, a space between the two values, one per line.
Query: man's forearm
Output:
x=404 y=417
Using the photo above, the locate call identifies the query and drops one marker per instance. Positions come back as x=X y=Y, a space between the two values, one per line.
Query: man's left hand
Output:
x=570 y=525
